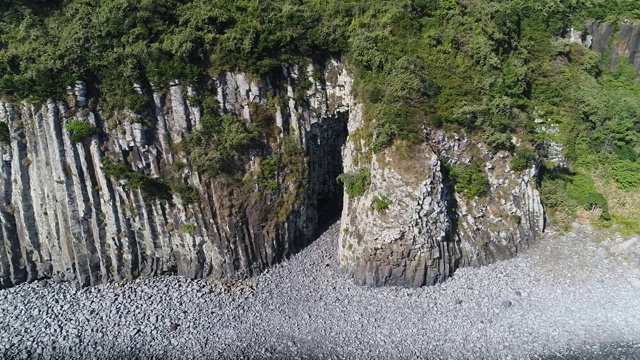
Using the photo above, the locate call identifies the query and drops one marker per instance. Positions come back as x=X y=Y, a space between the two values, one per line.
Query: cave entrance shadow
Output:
x=323 y=147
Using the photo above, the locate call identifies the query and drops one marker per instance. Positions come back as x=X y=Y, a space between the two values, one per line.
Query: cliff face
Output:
x=619 y=40
x=63 y=217
x=428 y=230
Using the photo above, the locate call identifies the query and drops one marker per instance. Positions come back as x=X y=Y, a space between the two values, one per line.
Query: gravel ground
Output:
x=564 y=298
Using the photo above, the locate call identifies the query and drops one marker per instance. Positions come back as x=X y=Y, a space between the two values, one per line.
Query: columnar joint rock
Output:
x=63 y=217
x=428 y=230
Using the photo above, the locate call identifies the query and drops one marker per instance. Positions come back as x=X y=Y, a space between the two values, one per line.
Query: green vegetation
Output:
x=487 y=66
x=267 y=177
x=522 y=158
x=187 y=193
x=80 y=130
x=188 y=228
x=381 y=204
x=5 y=133
x=152 y=188
x=470 y=180
x=565 y=192
x=356 y=183
x=218 y=146
x=612 y=9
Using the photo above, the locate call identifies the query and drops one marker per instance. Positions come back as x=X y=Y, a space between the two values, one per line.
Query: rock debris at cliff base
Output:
x=563 y=296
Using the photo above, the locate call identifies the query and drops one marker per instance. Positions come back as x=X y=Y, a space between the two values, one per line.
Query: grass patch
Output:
x=381 y=204
x=188 y=228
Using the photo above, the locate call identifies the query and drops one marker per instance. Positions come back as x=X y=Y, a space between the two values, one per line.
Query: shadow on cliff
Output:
x=324 y=144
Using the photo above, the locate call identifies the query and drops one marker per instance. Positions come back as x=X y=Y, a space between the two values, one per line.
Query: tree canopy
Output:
x=489 y=66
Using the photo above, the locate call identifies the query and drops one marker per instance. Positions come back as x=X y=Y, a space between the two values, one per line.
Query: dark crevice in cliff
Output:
x=324 y=148
x=452 y=213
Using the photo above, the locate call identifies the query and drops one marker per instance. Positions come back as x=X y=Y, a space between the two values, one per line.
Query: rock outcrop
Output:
x=619 y=44
x=63 y=217
x=427 y=230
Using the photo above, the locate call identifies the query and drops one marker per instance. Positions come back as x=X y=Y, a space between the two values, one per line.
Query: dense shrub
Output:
x=5 y=133
x=151 y=188
x=568 y=191
x=80 y=130
x=522 y=159
x=356 y=183
x=626 y=174
x=498 y=141
x=470 y=179
x=187 y=193
x=217 y=147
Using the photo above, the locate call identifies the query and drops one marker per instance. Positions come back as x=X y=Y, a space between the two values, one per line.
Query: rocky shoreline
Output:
x=566 y=297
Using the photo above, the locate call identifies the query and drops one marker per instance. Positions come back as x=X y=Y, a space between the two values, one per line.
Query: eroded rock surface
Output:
x=428 y=230
x=62 y=217
x=624 y=43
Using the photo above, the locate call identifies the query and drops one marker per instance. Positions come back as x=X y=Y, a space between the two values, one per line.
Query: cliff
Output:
x=62 y=216
x=428 y=229
x=618 y=41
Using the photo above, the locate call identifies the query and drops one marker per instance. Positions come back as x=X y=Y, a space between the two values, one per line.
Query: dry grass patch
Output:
x=588 y=217
x=621 y=203
x=409 y=160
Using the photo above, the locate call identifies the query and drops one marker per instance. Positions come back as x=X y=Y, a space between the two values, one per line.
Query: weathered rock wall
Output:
x=618 y=40
x=62 y=217
x=429 y=230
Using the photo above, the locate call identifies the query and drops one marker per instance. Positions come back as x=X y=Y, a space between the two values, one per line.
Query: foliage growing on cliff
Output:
x=80 y=130
x=489 y=66
x=522 y=158
x=5 y=133
x=469 y=179
x=216 y=147
x=381 y=203
x=151 y=188
x=565 y=191
x=356 y=183
x=187 y=193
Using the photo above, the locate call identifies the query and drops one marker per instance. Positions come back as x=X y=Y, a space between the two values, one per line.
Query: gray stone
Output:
x=64 y=200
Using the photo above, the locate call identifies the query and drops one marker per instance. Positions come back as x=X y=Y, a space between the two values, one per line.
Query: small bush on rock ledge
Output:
x=522 y=159
x=470 y=180
x=380 y=204
x=356 y=183
x=80 y=130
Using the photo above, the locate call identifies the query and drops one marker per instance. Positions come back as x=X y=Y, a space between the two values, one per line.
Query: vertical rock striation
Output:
x=428 y=230
x=619 y=44
x=62 y=217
